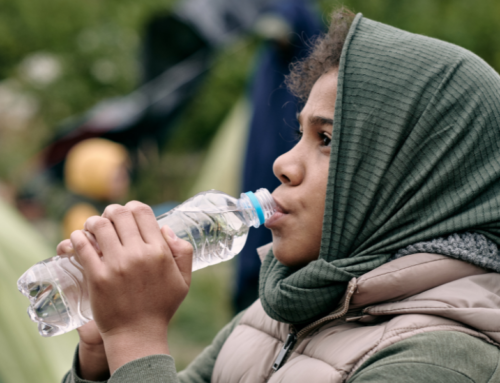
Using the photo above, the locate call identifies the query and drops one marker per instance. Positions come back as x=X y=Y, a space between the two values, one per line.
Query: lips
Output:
x=278 y=215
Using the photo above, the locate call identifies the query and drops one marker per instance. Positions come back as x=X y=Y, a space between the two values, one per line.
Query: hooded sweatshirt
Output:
x=415 y=156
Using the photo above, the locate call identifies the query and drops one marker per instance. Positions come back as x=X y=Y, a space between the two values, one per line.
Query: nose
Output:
x=289 y=168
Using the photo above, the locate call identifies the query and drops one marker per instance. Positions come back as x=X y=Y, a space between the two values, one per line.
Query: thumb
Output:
x=182 y=251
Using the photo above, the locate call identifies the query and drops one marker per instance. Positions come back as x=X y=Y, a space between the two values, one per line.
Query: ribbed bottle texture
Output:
x=214 y=223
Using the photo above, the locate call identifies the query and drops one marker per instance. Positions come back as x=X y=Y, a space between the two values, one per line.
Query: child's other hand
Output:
x=137 y=283
x=93 y=364
x=90 y=336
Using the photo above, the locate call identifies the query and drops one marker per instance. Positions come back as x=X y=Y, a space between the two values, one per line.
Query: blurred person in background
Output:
x=384 y=264
x=288 y=27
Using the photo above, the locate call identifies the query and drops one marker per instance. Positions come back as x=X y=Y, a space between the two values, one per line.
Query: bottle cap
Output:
x=256 y=205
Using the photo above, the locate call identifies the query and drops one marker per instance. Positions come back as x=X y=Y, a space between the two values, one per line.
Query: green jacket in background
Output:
x=25 y=357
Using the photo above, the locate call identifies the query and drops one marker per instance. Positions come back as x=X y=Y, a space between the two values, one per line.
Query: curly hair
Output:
x=324 y=55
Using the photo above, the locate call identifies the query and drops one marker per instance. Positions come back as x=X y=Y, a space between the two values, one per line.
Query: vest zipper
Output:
x=293 y=337
x=339 y=313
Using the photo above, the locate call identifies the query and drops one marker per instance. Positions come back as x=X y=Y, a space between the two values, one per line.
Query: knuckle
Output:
x=148 y=253
x=139 y=208
x=74 y=236
x=109 y=210
x=120 y=270
x=141 y=262
x=99 y=280
x=78 y=243
x=80 y=246
x=162 y=250
x=133 y=203
x=185 y=248
x=90 y=221
x=138 y=263
x=100 y=223
x=140 y=255
x=115 y=210
x=150 y=256
x=64 y=246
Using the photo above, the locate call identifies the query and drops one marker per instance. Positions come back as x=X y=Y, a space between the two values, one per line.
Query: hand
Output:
x=92 y=358
x=137 y=284
x=91 y=353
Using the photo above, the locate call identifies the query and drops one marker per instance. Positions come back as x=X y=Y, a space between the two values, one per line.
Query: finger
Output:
x=87 y=256
x=89 y=334
x=124 y=223
x=105 y=234
x=182 y=252
x=93 y=241
x=65 y=248
x=146 y=221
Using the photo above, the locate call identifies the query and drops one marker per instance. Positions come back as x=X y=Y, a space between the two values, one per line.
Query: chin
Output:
x=286 y=255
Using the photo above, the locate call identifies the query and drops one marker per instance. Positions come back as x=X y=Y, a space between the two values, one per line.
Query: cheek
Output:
x=298 y=242
x=318 y=180
x=316 y=206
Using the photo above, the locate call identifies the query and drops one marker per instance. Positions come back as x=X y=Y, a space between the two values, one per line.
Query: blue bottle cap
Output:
x=256 y=205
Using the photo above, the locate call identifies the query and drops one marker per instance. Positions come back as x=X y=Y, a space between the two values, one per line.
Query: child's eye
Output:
x=327 y=141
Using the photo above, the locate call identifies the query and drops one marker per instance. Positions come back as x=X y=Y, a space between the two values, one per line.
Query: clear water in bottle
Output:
x=58 y=295
x=214 y=223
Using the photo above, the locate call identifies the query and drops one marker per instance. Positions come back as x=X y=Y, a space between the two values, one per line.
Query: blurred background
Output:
x=104 y=101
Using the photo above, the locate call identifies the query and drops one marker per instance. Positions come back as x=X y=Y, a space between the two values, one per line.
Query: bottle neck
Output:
x=260 y=205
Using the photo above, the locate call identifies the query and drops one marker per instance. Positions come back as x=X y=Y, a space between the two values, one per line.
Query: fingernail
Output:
x=170 y=233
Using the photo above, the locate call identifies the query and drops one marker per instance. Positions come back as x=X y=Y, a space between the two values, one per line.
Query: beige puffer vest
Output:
x=411 y=295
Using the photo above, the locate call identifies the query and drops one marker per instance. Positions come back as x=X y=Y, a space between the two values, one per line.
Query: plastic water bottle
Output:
x=215 y=223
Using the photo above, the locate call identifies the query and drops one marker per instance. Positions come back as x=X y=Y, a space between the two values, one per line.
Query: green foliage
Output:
x=473 y=25
x=95 y=44
x=226 y=82
x=83 y=35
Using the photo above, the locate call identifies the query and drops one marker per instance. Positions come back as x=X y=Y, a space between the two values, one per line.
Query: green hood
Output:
x=415 y=155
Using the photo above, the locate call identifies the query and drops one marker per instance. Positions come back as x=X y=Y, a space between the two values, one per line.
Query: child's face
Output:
x=303 y=172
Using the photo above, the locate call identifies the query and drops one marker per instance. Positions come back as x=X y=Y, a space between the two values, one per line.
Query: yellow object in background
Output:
x=97 y=168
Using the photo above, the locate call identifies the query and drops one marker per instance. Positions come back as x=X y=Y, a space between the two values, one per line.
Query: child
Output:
x=384 y=255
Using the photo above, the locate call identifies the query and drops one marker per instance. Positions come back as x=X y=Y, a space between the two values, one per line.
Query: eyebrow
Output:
x=316 y=120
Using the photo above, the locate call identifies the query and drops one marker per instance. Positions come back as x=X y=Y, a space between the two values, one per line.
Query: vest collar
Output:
x=401 y=278
x=408 y=276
